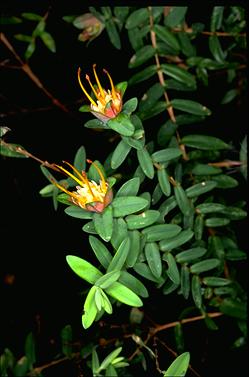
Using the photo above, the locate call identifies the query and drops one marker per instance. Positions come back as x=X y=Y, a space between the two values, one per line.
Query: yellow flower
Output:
x=108 y=102
x=90 y=195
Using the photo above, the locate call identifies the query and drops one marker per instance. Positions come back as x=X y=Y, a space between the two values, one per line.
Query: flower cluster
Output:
x=108 y=103
x=90 y=195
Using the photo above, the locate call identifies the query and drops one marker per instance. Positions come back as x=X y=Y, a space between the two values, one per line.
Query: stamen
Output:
x=70 y=175
x=74 y=169
x=111 y=82
x=64 y=189
x=99 y=171
x=98 y=83
x=94 y=91
x=84 y=90
x=88 y=184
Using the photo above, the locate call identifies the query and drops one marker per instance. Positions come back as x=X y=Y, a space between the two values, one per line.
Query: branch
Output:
x=26 y=68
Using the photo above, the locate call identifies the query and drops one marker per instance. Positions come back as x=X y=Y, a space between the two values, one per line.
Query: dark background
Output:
x=45 y=294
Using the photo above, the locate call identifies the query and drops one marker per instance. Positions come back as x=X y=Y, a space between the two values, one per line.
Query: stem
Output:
x=159 y=72
x=22 y=151
x=26 y=68
x=166 y=326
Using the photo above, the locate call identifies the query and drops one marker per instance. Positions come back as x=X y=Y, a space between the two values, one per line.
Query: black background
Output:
x=35 y=239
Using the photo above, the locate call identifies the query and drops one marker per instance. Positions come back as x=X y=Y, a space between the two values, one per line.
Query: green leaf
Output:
x=10 y=151
x=119 y=232
x=191 y=107
x=29 y=348
x=130 y=105
x=204 y=142
x=21 y=367
x=109 y=359
x=158 y=108
x=108 y=279
x=120 y=256
x=48 y=40
x=172 y=271
x=78 y=212
x=12 y=20
x=142 y=220
x=121 y=87
x=179 y=367
x=31 y=16
x=185 y=281
x=205 y=265
x=161 y=231
x=133 y=283
x=189 y=255
x=204 y=169
x=30 y=50
x=200 y=188
x=224 y=181
x=216 y=49
x=176 y=241
x=100 y=251
x=229 y=96
x=145 y=74
x=205 y=208
x=93 y=173
x=216 y=221
x=145 y=162
x=83 y=269
x=176 y=16
x=66 y=340
x=183 y=76
x=141 y=56
x=95 y=361
x=90 y=309
x=165 y=155
x=163 y=180
x=243 y=157
x=153 y=258
x=134 y=251
x=136 y=18
x=198 y=227
x=182 y=200
x=113 y=33
x=233 y=308
x=187 y=48
x=196 y=291
x=123 y=294
x=122 y=125
x=119 y=154
x=234 y=213
x=151 y=97
x=213 y=281
x=89 y=228
x=167 y=37
x=129 y=188
x=216 y=18
x=103 y=223
x=143 y=270
x=87 y=109
x=123 y=206
x=23 y=37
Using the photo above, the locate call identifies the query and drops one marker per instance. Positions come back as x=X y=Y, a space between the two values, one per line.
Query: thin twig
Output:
x=166 y=326
x=26 y=68
x=24 y=152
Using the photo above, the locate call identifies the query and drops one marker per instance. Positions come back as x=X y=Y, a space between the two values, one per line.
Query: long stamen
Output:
x=98 y=83
x=64 y=189
x=99 y=171
x=74 y=169
x=70 y=175
x=84 y=90
x=87 y=182
x=94 y=91
x=111 y=82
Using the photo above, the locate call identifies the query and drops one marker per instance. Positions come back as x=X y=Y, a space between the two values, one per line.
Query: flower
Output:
x=108 y=103
x=90 y=25
x=90 y=195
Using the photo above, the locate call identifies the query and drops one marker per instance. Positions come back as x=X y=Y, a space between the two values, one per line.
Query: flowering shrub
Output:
x=154 y=210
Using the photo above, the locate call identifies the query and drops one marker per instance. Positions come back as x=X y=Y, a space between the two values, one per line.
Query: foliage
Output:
x=169 y=224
